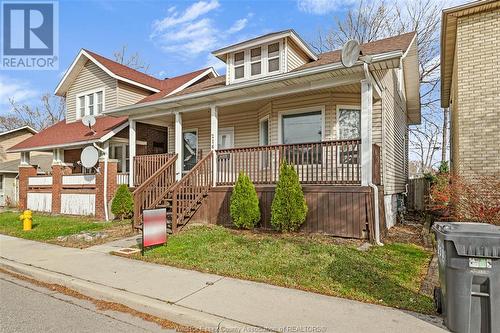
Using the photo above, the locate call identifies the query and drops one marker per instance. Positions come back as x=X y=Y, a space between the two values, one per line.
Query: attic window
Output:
x=90 y=103
x=273 y=57
x=255 y=61
x=239 y=65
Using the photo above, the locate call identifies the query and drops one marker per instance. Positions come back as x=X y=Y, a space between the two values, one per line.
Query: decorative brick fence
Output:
x=66 y=193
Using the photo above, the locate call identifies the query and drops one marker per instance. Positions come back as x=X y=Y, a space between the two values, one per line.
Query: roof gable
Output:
x=110 y=67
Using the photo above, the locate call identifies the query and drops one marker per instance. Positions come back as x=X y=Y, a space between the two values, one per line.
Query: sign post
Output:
x=154 y=227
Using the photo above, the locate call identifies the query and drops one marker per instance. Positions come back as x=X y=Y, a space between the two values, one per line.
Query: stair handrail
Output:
x=199 y=180
x=167 y=170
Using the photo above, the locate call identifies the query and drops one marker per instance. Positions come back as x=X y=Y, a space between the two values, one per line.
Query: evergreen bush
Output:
x=289 y=207
x=244 y=208
x=123 y=203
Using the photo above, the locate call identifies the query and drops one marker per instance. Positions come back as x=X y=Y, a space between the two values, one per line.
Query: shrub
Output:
x=467 y=200
x=244 y=207
x=289 y=208
x=123 y=203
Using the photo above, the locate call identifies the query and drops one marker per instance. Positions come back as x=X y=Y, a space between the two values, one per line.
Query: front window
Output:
x=349 y=124
x=303 y=128
x=90 y=103
x=1 y=183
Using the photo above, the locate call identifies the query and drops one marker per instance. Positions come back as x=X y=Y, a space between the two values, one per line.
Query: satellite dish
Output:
x=350 y=53
x=89 y=157
x=89 y=121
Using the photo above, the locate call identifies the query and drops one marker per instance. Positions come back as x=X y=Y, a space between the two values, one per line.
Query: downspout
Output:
x=105 y=180
x=373 y=186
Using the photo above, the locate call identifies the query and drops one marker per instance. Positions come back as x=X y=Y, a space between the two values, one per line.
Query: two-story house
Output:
x=344 y=129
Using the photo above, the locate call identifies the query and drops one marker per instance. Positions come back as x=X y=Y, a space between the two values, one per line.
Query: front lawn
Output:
x=389 y=275
x=47 y=228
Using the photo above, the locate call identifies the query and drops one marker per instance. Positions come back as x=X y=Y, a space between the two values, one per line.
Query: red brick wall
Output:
x=24 y=173
x=112 y=186
x=58 y=171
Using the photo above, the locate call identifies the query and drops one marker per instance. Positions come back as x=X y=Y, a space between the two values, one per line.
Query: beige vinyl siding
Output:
x=127 y=94
x=90 y=77
x=296 y=57
x=395 y=134
x=9 y=140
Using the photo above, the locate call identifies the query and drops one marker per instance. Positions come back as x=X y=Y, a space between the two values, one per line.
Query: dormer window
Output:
x=239 y=65
x=90 y=103
x=255 y=61
x=273 y=57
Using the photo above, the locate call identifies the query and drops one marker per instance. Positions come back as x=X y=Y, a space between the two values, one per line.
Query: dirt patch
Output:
x=114 y=232
x=104 y=305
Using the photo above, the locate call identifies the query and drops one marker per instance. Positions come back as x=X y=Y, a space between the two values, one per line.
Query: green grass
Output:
x=46 y=227
x=388 y=275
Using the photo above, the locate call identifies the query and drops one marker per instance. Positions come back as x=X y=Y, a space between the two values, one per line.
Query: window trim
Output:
x=309 y=109
x=85 y=94
x=2 y=184
x=247 y=62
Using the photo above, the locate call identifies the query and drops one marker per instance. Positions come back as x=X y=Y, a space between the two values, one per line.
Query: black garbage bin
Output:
x=469 y=276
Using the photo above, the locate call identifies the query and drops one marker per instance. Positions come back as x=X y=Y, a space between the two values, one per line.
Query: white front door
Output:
x=226 y=138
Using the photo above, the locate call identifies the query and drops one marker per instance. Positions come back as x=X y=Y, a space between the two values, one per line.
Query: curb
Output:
x=175 y=313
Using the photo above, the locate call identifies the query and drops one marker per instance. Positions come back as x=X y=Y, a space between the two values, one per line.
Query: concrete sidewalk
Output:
x=199 y=299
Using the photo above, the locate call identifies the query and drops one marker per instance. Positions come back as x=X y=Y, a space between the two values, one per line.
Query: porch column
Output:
x=131 y=150
x=214 y=136
x=178 y=146
x=366 y=132
x=57 y=156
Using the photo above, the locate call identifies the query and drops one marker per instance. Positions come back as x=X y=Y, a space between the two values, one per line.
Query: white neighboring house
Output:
x=9 y=163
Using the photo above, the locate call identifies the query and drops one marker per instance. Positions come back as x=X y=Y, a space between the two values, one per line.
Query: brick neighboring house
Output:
x=470 y=86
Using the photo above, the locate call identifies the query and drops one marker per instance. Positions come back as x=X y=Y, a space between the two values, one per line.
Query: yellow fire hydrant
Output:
x=27 y=218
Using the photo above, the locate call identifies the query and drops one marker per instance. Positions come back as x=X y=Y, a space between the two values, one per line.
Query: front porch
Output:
x=326 y=134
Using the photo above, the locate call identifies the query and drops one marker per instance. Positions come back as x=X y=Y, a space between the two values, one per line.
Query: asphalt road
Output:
x=25 y=307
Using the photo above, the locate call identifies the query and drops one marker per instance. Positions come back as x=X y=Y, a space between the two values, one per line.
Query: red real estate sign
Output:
x=154 y=227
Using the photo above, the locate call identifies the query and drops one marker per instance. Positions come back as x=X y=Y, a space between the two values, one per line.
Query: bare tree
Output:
x=50 y=110
x=373 y=20
x=133 y=61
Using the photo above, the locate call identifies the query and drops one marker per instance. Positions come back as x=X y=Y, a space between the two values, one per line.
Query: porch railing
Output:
x=147 y=165
x=188 y=193
x=155 y=189
x=327 y=162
